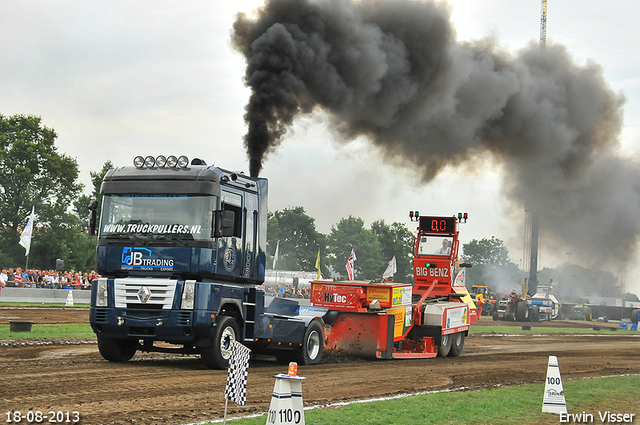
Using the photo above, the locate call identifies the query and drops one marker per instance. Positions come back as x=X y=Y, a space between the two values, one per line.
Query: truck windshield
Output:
x=157 y=216
x=435 y=245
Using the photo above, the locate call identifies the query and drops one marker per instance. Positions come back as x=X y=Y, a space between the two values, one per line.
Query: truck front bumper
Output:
x=173 y=326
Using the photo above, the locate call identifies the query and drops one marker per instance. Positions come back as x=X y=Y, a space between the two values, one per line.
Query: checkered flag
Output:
x=238 y=370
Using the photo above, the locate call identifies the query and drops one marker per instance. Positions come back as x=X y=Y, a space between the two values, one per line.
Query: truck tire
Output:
x=522 y=312
x=312 y=345
x=117 y=350
x=445 y=345
x=634 y=316
x=457 y=344
x=218 y=354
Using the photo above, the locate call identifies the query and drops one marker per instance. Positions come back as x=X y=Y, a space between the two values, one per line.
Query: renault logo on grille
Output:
x=144 y=294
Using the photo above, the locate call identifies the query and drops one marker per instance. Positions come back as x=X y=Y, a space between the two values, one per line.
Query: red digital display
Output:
x=437 y=224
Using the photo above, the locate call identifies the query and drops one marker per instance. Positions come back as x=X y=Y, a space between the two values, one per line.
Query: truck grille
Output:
x=136 y=292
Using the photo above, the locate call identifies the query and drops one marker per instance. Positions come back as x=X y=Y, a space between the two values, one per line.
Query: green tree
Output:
x=34 y=174
x=491 y=265
x=396 y=241
x=576 y=282
x=485 y=252
x=299 y=239
x=349 y=234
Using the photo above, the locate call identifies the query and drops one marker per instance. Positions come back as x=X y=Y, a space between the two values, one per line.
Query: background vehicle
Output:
x=517 y=308
x=483 y=296
x=580 y=311
x=549 y=307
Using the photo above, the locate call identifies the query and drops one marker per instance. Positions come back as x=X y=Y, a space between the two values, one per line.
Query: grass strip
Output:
x=549 y=330
x=512 y=405
x=49 y=331
x=40 y=304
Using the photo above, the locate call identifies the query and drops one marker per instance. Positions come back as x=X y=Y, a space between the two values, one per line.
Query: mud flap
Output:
x=387 y=353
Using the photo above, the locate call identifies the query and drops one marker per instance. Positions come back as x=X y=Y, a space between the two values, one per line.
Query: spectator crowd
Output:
x=52 y=279
x=48 y=279
x=287 y=291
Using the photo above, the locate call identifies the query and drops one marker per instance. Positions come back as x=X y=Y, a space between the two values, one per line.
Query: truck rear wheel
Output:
x=218 y=354
x=445 y=345
x=312 y=346
x=116 y=350
x=457 y=344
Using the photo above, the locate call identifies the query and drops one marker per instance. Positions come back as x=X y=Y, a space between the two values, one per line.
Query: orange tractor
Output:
x=399 y=320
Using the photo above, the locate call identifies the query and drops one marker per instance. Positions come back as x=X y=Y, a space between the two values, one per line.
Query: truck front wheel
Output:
x=218 y=354
x=312 y=346
x=116 y=350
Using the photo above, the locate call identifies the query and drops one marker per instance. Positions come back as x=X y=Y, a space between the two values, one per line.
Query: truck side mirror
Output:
x=93 y=206
x=226 y=223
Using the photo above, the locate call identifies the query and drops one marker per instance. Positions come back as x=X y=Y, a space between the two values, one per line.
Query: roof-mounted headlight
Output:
x=183 y=162
x=138 y=161
x=161 y=160
x=172 y=161
x=149 y=161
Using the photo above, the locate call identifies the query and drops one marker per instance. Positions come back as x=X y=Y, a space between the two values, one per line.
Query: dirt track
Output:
x=158 y=388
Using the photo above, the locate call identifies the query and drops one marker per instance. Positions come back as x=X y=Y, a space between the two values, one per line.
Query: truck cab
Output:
x=191 y=222
x=181 y=252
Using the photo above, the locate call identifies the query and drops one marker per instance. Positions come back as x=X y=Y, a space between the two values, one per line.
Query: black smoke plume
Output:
x=394 y=72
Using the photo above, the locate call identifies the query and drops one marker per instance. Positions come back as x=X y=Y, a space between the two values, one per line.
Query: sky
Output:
x=116 y=79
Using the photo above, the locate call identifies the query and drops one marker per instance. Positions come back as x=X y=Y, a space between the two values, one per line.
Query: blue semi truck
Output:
x=181 y=252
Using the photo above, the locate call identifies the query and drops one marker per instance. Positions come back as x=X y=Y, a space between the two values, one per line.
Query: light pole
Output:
x=622 y=289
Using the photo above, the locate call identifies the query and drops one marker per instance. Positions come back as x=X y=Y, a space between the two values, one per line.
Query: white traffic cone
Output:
x=69 y=302
x=553 y=401
x=286 y=402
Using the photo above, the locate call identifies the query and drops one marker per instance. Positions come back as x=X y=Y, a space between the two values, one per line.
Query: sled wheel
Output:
x=445 y=345
x=457 y=344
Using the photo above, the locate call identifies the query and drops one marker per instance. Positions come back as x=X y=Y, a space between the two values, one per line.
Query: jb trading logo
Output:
x=143 y=257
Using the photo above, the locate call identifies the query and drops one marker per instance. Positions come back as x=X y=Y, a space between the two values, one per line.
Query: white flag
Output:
x=460 y=277
x=236 y=389
x=25 y=236
x=275 y=256
x=391 y=268
x=350 y=266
